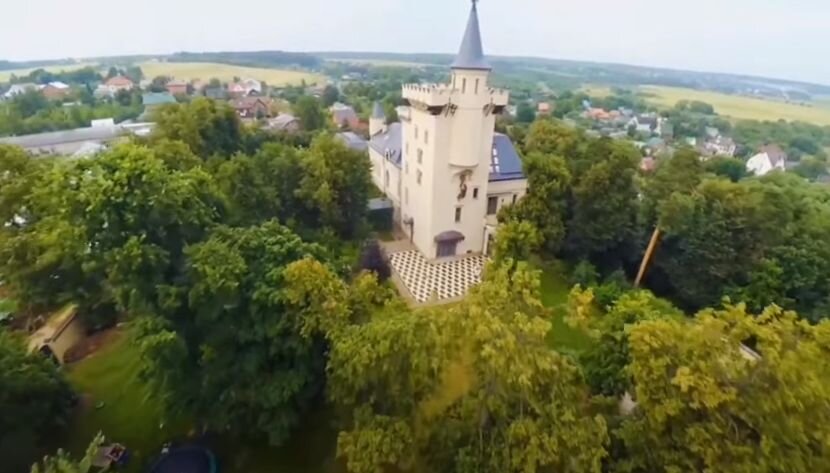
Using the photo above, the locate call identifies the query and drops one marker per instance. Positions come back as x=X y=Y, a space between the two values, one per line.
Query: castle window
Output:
x=464 y=85
x=406 y=195
x=419 y=176
x=458 y=215
x=475 y=193
x=476 y=85
x=420 y=156
x=492 y=205
x=453 y=81
x=416 y=132
x=386 y=179
x=514 y=198
x=426 y=137
x=406 y=168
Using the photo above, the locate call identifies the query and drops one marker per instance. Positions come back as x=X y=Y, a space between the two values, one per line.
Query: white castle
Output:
x=443 y=166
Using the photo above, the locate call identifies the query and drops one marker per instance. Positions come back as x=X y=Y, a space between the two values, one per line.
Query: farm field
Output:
x=226 y=72
x=381 y=62
x=4 y=75
x=740 y=107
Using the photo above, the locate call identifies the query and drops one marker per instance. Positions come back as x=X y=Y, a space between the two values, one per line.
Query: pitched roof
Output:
x=389 y=143
x=119 y=81
x=282 y=121
x=157 y=98
x=471 y=53
x=775 y=153
x=353 y=141
x=54 y=138
x=505 y=163
x=377 y=111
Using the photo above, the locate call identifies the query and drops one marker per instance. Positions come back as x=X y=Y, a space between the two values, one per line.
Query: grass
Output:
x=737 y=107
x=226 y=72
x=555 y=290
x=381 y=62
x=109 y=377
x=599 y=91
x=5 y=75
x=129 y=417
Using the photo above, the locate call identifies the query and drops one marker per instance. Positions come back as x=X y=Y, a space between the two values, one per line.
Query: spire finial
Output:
x=471 y=54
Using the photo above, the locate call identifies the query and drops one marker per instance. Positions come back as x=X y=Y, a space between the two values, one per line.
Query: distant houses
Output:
x=344 y=116
x=80 y=142
x=769 y=158
x=252 y=107
x=113 y=85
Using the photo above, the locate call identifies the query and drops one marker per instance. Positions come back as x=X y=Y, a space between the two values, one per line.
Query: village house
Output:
x=543 y=108
x=115 y=84
x=344 y=116
x=769 y=158
x=245 y=88
x=55 y=90
x=153 y=101
x=284 y=122
x=252 y=107
x=647 y=123
x=718 y=146
x=177 y=87
x=18 y=89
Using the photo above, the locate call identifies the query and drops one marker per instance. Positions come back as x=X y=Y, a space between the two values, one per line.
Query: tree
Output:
x=207 y=127
x=519 y=406
x=606 y=360
x=374 y=259
x=517 y=240
x=232 y=352
x=552 y=138
x=331 y=94
x=604 y=210
x=733 y=169
x=525 y=113
x=310 y=112
x=34 y=400
x=811 y=168
x=335 y=185
x=545 y=204
x=728 y=391
x=62 y=463
x=681 y=173
x=262 y=186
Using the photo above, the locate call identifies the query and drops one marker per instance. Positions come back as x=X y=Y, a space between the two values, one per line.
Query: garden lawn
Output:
x=127 y=416
x=555 y=289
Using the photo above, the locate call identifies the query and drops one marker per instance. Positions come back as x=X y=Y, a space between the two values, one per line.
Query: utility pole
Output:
x=652 y=245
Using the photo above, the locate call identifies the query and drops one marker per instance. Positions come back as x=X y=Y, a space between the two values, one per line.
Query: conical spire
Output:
x=377 y=111
x=471 y=54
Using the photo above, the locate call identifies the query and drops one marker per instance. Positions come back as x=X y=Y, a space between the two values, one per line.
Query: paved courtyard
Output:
x=448 y=280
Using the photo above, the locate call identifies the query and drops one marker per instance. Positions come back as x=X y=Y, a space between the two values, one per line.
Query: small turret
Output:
x=377 y=122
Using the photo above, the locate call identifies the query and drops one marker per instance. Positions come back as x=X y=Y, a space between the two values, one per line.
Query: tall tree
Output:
x=207 y=127
x=729 y=392
x=310 y=112
x=233 y=354
x=335 y=184
x=61 y=462
x=35 y=400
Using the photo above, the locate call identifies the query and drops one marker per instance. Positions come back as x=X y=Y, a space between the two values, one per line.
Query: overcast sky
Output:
x=776 y=38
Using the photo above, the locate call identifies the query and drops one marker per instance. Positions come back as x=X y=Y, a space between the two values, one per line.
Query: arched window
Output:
x=476 y=86
x=464 y=85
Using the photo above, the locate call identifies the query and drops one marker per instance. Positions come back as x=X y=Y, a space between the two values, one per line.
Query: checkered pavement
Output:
x=448 y=280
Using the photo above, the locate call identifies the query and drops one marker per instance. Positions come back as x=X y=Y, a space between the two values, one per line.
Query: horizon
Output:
x=645 y=34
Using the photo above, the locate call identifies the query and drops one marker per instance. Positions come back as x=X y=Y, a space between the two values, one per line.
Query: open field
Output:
x=596 y=90
x=226 y=72
x=4 y=75
x=381 y=62
x=737 y=107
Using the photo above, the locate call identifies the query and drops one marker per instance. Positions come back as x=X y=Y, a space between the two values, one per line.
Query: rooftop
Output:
x=471 y=53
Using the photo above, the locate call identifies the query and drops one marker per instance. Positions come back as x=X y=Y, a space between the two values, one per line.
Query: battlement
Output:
x=439 y=95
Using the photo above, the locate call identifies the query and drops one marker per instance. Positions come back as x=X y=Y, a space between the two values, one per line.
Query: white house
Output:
x=18 y=89
x=443 y=166
x=763 y=163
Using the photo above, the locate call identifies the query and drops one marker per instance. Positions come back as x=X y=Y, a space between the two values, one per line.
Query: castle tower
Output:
x=448 y=147
x=377 y=122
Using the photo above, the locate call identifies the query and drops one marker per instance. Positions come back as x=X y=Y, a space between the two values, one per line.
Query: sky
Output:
x=787 y=39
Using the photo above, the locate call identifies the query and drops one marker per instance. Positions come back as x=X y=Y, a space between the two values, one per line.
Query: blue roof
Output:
x=389 y=143
x=471 y=53
x=505 y=165
x=377 y=111
x=353 y=141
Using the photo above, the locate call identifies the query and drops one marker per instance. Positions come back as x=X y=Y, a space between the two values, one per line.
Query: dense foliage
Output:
x=35 y=400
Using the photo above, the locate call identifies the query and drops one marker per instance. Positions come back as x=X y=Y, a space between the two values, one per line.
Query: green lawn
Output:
x=555 y=289
x=129 y=416
x=110 y=377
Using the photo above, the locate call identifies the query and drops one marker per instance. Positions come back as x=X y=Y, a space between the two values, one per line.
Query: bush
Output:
x=374 y=259
x=585 y=274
